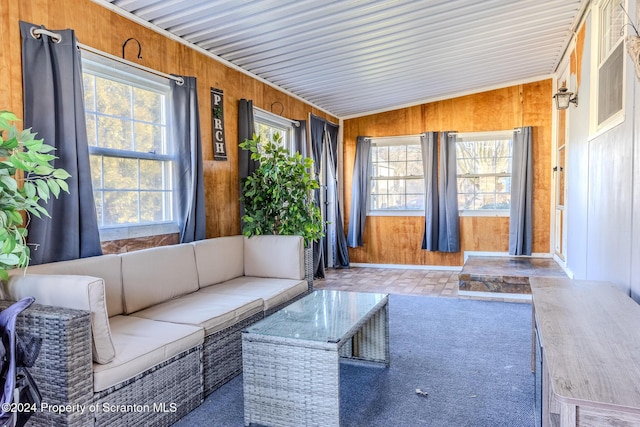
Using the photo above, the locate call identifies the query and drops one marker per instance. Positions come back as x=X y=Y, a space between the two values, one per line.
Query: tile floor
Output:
x=441 y=283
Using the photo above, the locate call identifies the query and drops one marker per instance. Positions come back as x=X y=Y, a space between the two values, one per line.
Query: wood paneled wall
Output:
x=397 y=240
x=105 y=30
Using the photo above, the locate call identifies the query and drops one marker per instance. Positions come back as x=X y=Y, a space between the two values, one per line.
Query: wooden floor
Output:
x=438 y=283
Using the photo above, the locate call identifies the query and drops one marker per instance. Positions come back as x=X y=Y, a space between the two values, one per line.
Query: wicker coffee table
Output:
x=291 y=368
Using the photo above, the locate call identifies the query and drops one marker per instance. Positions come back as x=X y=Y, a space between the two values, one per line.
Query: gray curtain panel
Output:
x=189 y=174
x=428 y=143
x=54 y=108
x=449 y=227
x=521 y=218
x=341 y=253
x=359 y=191
x=316 y=125
x=246 y=130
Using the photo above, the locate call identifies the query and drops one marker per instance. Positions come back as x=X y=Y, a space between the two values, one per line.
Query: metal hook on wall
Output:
x=281 y=105
x=139 y=47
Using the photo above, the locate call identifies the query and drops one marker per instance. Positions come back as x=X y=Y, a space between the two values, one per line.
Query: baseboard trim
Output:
x=407 y=266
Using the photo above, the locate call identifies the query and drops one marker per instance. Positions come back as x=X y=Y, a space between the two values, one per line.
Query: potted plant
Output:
x=26 y=178
x=278 y=197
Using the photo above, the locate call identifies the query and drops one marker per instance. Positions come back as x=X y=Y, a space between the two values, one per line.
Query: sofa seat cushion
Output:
x=140 y=345
x=213 y=312
x=272 y=291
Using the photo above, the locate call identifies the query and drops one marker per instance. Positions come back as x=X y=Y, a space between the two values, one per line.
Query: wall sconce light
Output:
x=564 y=98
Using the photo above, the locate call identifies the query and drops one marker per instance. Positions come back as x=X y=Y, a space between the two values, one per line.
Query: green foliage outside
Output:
x=26 y=160
x=278 y=196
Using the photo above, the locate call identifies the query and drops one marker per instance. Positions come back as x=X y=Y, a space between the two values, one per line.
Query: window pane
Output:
x=397 y=168
x=379 y=202
x=487 y=184
x=120 y=173
x=402 y=165
x=415 y=202
x=120 y=207
x=151 y=175
x=151 y=206
x=91 y=130
x=113 y=98
x=414 y=152
x=147 y=105
x=148 y=138
x=486 y=201
x=95 y=163
x=121 y=116
x=114 y=133
x=414 y=168
x=415 y=186
x=89 y=85
x=479 y=183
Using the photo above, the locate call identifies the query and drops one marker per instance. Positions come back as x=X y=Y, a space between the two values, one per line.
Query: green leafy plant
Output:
x=26 y=178
x=278 y=197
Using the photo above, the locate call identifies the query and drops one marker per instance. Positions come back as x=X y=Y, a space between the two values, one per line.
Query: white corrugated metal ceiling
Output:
x=351 y=57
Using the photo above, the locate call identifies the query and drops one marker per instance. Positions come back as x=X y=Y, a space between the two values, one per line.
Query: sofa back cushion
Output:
x=106 y=266
x=279 y=257
x=76 y=292
x=219 y=259
x=152 y=276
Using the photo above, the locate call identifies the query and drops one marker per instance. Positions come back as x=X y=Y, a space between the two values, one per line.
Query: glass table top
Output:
x=323 y=315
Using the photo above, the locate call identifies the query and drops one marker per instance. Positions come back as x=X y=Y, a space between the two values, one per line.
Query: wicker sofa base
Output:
x=159 y=397
x=223 y=354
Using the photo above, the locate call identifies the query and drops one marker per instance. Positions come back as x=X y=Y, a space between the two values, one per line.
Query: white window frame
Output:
x=485 y=136
x=107 y=68
x=276 y=123
x=595 y=128
x=390 y=141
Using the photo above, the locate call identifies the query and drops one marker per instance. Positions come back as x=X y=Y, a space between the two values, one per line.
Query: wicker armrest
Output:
x=63 y=370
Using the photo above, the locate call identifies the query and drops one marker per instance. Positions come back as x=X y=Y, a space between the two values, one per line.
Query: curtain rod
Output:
x=36 y=32
x=274 y=115
x=462 y=134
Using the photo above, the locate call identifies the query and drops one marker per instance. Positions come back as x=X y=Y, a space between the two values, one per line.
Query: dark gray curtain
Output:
x=316 y=127
x=246 y=129
x=341 y=251
x=54 y=108
x=428 y=143
x=359 y=191
x=189 y=175
x=521 y=218
x=449 y=227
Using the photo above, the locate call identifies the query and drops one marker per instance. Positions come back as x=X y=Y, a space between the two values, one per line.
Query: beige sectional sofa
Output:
x=162 y=325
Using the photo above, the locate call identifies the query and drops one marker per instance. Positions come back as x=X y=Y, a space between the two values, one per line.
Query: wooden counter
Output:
x=589 y=334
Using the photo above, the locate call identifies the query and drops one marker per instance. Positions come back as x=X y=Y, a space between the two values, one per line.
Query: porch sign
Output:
x=217 y=120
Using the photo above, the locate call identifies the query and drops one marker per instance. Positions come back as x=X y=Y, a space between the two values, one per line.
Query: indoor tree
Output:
x=27 y=177
x=278 y=196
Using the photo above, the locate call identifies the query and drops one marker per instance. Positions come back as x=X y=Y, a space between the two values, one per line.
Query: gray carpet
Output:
x=472 y=358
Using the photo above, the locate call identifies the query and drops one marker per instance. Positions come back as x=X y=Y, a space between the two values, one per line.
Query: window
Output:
x=130 y=151
x=610 y=60
x=484 y=172
x=267 y=124
x=397 y=176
